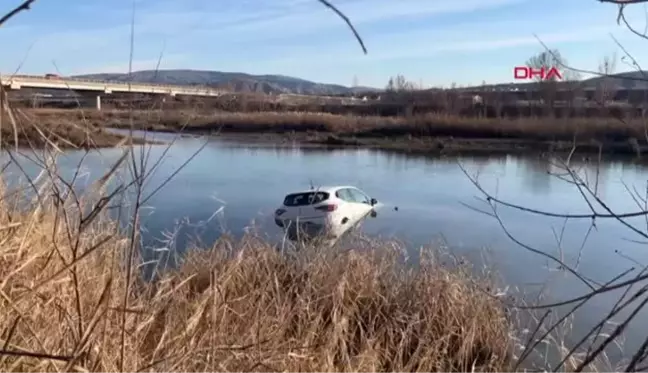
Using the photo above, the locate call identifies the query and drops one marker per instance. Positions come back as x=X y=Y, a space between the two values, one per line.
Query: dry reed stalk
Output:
x=240 y=305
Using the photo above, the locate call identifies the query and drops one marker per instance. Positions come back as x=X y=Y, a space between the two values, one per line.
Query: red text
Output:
x=543 y=73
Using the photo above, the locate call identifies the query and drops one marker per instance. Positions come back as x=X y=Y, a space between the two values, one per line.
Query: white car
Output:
x=327 y=211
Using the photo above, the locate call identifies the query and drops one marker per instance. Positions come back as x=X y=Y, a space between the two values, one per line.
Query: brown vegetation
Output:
x=485 y=133
x=496 y=104
x=27 y=130
x=236 y=306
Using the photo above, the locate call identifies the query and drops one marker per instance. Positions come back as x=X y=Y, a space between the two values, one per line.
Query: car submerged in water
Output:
x=327 y=212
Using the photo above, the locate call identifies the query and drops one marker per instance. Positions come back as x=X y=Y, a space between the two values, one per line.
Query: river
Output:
x=423 y=200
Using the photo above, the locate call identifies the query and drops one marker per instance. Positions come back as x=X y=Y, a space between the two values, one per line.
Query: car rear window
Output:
x=303 y=199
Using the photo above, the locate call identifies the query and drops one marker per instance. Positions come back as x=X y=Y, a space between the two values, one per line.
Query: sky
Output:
x=431 y=42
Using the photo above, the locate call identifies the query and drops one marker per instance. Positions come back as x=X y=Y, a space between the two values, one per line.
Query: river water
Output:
x=231 y=185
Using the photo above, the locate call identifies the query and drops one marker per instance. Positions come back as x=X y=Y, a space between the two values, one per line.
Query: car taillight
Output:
x=327 y=208
x=279 y=212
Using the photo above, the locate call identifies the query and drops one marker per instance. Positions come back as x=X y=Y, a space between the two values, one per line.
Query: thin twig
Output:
x=34 y=355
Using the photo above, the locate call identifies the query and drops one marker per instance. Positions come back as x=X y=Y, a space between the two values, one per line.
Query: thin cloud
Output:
x=424 y=44
x=314 y=18
x=167 y=62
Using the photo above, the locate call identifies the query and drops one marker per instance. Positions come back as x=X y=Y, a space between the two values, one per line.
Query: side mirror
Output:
x=374 y=201
x=373 y=214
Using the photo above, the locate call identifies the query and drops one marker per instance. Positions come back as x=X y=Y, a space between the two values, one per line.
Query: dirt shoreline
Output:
x=430 y=134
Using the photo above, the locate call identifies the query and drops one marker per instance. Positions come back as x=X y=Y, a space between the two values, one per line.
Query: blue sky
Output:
x=436 y=42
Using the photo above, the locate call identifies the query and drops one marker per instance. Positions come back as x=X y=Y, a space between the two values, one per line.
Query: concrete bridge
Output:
x=16 y=82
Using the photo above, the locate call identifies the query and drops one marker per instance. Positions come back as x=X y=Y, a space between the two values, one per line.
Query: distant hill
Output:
x=239 y=82
x=624 y=80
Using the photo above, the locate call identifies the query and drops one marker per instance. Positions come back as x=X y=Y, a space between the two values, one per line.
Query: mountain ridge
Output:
x=237 y=81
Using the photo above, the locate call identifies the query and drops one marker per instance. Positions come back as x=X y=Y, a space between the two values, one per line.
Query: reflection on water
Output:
x=535 y=172
x=228 y=186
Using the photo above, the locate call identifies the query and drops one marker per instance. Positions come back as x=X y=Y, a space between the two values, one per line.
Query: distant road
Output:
x=16 y=82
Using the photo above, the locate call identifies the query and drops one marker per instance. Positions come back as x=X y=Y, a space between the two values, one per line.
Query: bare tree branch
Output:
x=624 y=2
x=24 y=6
x=348 y=22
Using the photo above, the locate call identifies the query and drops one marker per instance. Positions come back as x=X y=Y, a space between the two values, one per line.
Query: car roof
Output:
x=328 y=189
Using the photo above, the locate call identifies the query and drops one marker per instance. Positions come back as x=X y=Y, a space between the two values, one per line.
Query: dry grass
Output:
x=368 y=126
x=35 y=131
x=240 y=305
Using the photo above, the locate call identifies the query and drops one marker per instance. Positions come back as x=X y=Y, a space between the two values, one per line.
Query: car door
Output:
x=348 y=208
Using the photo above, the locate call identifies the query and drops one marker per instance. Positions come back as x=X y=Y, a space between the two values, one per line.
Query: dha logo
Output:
x=527 y=73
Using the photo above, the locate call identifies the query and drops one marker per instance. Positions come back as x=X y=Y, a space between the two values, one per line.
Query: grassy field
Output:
x=429 y=132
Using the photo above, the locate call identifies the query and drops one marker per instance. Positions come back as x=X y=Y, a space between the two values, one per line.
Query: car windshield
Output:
x=303 y=199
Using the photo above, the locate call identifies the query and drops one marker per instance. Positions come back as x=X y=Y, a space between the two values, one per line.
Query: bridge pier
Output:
x=98 y=103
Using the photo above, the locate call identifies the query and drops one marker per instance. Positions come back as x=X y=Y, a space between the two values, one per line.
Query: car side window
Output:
x=345 y=195
x=359 y=197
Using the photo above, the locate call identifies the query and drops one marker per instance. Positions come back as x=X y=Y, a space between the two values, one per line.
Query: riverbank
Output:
x=34 y=129
x=360 y=310
x=429 y=133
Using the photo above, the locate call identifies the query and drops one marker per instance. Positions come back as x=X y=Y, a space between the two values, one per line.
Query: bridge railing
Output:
x=104 y=82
